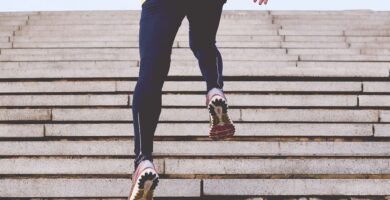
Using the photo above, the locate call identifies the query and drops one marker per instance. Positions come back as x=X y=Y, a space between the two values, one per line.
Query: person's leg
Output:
x=160 y=21
x=204 y=17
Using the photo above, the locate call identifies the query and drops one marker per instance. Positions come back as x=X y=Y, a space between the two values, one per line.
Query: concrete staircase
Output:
x=309 y=92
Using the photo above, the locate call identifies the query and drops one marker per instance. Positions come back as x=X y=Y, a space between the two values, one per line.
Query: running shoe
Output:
x=221 y=126
x=144 y=181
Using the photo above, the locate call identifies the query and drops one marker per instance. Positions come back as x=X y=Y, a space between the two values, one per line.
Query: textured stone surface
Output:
x=313 y=115
x=277 y=166
x=21 y=130
x=297 y=187
x=103 y=187
x=374 y=100
x=71 y=166
x=382 y=130
x=385 y=116
x=25 y=114
x=64 y=100
x=197 y=148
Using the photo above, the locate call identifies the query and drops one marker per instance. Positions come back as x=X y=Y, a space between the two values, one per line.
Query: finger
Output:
x=265 y=2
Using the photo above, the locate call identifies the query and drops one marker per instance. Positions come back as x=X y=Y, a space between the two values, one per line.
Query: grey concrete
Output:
x=312 y=115
x=382 y=130
x=64 y=100
x=277 y=166
x=125 y=114
x=21 y=130
x=385 y=116
x=196 y=148
x=267 y=100
x=92 y=187
x=202 y=129
x=25 y=114
x=297 y=187
x=19 y=166
x=376 y=86
x=374 y=100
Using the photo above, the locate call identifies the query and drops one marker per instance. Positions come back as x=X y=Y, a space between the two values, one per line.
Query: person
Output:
x=159 y=23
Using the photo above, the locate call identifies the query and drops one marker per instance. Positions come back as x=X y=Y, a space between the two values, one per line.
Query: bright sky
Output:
x=43 y=5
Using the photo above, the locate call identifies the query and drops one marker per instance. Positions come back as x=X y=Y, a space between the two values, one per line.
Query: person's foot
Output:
x=144 y=181
x=221 y=126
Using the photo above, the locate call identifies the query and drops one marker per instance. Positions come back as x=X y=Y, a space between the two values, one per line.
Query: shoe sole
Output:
x=218 y=112
x=145 y=185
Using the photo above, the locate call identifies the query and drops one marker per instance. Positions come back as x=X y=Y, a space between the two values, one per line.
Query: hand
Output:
x=261 y=1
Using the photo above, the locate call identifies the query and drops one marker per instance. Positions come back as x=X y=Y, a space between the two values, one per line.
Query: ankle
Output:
x=141 y=158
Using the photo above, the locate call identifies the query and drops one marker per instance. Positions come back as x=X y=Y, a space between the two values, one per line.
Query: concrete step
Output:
x=5 y=45
x=376 y=87
x=100 y=44
x=339 y=17
x=301 y=186
x=131 y=57
x=110 y=38
x=4 y=39
x=12 y=16
x=174 y=166
x=121 y=32
x=384 y=116
x=133 y=44
x=324 y=51
x=382 y=130
x=338 y=27
x=12 y=22
x=202 y=130
x=68 y=166
x=331 y=21
x=133 y=52
x=262 y=100
x=6 y=33
x=370 y=45
x=193 y=86
x=310 y=115
x=200 y=114
x=367 y=39
x=25 y=114
x=177 y=129
x=196 y=100
x=64 y=100
x=315 y=45
x=384 y=33
x=9 y=28
x=196 y=148
x=375 y=51
x=267 y=166
x=93 y=70
x=127 y=21
x=365 y=58
x=92 y=187
x=374 y=100
x=21 y=130
x=134 y=27
x=341 y=64
x=76 y=187
x=300 y=32
x=297 y=38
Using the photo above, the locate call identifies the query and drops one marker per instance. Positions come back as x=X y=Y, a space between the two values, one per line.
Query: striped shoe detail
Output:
x=144 y=185
x=221 y=126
